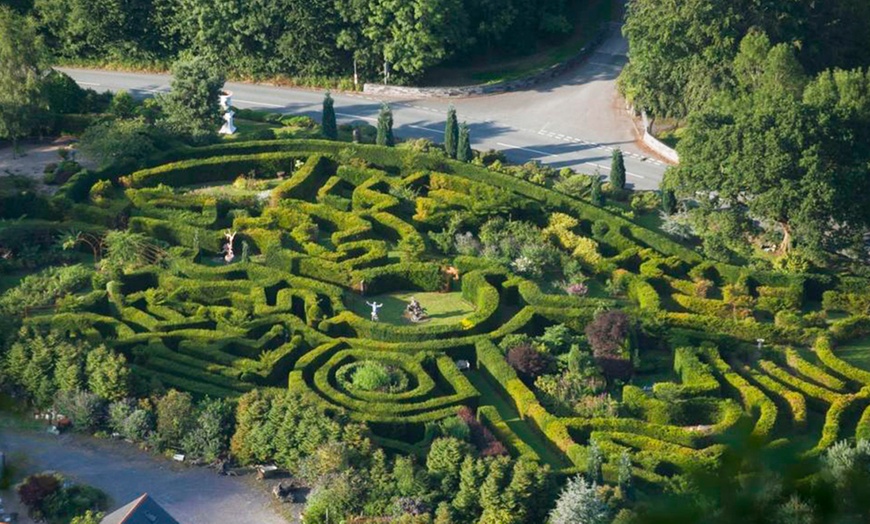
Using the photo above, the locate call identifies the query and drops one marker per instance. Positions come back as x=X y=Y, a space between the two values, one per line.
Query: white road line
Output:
x=264 y=104
x=358 y=116
x=602 y=166
x=426 y=129
x=88 y=84
x=525 y=149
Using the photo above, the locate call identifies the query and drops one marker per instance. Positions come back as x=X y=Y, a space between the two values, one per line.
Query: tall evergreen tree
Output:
x=463 y=149
x=617 y=170
x=580 y=503
x=385 y=126
x=328 y=124
x=669 y=201
x=597 y=196
x=467 y=499
x=451 y=132
x=624 y=474
x=595 y=463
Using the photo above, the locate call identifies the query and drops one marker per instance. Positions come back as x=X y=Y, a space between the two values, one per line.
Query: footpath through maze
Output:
x=347 y=222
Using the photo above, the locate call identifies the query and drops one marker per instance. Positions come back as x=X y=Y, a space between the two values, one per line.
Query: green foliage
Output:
x=118 y=141
x=330 y=129
x=463 y=147
x=22 y=58
x=617 y=170
x=385 y=126
x=192 y=106
x=451 y=133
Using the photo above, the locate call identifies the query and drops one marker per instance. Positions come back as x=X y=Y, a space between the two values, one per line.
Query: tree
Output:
x=385 y=126
x=89 y=517
x=210 y=436
x=451 y=132
x=21 y=71
x=86 y=410
x=35 y=489
x=330 y=128
x=617 y=170
x=108 y=374
x=624 y=475
x=444 y=462
x=580 y=503
x=463 y=151
x=529 y=486
x=528 y=361
x=596 y=195
x=117 y=141
x=595 y=462
x=122 y=105
x=669 y=202
x=467 y=499
x=609 y=335
x=175 y=417
x=192 y=107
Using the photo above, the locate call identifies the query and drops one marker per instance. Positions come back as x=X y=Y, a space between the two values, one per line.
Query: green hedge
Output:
x=490 y=417
x=824 y=350
x=813 y=372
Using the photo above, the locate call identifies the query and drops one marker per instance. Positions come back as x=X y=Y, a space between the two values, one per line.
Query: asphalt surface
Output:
x=575 y=120
x=192 y=495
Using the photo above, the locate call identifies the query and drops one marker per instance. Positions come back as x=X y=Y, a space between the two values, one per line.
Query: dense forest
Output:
x=299 y=37
x=771 y=106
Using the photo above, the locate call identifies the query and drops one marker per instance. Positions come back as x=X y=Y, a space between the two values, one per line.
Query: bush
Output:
x=528 y=361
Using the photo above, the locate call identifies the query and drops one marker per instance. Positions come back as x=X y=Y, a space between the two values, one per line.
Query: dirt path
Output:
x=192 y=495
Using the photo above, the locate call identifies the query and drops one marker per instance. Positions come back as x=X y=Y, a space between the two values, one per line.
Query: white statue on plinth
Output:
x=228 y=128
x=226 y=102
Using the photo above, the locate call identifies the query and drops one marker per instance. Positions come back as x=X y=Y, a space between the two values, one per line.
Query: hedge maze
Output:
x=346 y=220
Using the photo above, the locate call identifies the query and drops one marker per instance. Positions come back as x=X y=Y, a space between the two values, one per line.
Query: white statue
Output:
x=228 y=247
x=375 y=307
x=226 y=102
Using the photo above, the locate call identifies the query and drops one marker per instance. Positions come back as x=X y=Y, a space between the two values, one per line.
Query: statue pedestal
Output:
x=229 y=127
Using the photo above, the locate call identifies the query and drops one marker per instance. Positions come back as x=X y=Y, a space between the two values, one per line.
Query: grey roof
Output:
x=141 y=511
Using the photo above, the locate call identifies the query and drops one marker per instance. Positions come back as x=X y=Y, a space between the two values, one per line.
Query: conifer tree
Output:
x=467 y=500
x=463 y=149
x=669 y=202
x=328 y=125
x=624 y=474
x=597 y=196
x=617 y=170
x=595 y=463
x=451 y=130
x=385 y=126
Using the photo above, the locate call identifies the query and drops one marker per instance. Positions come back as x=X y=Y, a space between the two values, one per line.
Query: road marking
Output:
x=525 y=149
x=88 y=84
x=264 y=104
x=608 y=168
x=426 y=129
x=358 y=116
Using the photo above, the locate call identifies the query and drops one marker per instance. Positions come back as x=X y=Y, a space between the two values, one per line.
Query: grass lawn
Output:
x=856 y=353
x=443 y=308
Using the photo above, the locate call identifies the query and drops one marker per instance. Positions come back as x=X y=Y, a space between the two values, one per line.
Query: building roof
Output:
x=141 y=511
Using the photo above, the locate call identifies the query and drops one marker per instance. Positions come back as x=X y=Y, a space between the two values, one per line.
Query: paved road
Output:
x=191 y=495
x=575 y=120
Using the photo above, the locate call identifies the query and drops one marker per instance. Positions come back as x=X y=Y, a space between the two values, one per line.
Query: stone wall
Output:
x=659 y=147
x=500 y=87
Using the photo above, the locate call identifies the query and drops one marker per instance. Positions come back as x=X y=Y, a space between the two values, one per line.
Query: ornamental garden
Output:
x=575 y=336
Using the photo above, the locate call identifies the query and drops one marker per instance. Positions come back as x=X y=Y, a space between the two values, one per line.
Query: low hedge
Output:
x=305 y=180
x=753 y=399
x=811 y=390
x=796 y=402
x=825 y=352
x=856 y=326
x=697 y=378
x=831 y=431
x=213 y=169
x=813 y=372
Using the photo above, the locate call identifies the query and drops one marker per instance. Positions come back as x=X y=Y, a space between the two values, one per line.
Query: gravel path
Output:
x=192 y=495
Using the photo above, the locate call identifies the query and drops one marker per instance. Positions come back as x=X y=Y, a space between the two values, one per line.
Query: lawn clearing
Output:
x=443 y=308
x=856 y=352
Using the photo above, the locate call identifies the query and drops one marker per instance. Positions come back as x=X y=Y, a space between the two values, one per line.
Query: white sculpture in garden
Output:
x=228 y=247
x=375 y=307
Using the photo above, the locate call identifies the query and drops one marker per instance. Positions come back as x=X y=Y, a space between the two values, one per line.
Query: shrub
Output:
x=528 y=361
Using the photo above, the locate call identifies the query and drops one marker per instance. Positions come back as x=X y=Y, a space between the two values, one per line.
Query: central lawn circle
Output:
x=443 y=308
x=372 y=375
